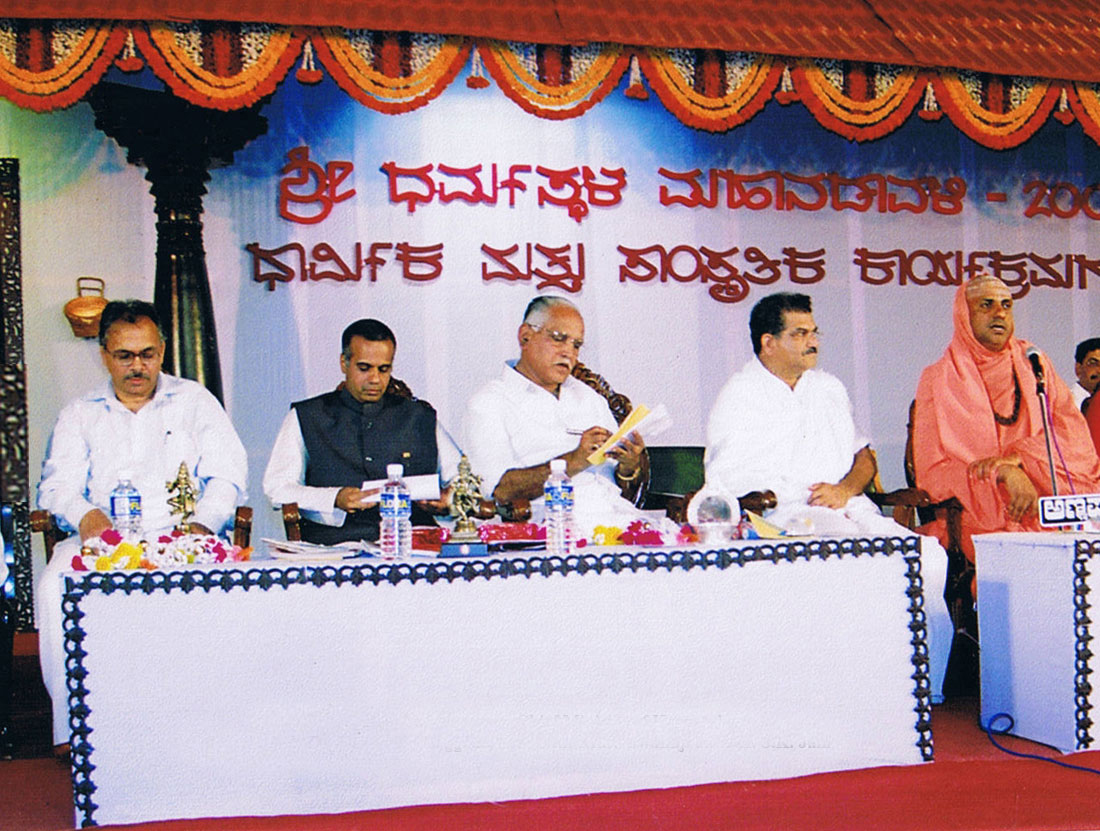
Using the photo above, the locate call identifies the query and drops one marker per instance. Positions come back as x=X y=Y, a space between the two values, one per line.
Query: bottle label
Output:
x=559 y=494
x=394 y=505
x=124 y=505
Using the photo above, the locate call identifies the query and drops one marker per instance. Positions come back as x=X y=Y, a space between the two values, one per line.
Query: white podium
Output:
x=1035 y=598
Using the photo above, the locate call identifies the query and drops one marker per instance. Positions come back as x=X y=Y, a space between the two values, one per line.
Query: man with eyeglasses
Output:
x=143 y=422
x=783 y=425
x=535 y=411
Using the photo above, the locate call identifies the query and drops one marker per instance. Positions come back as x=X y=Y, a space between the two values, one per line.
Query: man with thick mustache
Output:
x=329 y=445
x=535 y=411
x=1086 y=365
x=978 y=424
x=782 y=424
x=144 y=422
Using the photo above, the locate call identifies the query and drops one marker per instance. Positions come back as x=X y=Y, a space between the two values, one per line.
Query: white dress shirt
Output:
x=96 y=438
x=1079 y=394
x=511 y=422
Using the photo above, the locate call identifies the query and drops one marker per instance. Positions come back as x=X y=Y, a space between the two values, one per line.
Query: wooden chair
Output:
x=43 y=522
x=913 y=507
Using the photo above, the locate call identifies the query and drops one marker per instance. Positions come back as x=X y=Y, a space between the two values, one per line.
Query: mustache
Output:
x=136 y=375
x=811 y=351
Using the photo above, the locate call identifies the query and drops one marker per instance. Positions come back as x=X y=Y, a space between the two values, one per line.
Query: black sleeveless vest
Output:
x=348 y=442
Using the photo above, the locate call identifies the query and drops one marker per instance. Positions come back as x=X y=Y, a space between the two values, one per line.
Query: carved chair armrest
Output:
x=518 y=510
x=292 y=522
x=242 y=526
x=43 y=522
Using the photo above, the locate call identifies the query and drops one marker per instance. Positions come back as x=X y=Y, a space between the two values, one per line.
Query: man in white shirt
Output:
x=331 y=444
x=781 y=424
x=145 y=423
x=1087 y=366
x=536 y=411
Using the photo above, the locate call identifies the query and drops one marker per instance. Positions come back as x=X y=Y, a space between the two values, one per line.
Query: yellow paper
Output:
x=764 y=529
x=597 y=457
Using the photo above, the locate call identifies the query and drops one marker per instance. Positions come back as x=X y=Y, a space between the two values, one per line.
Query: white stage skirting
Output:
x=1035 y=595
x=281 y=687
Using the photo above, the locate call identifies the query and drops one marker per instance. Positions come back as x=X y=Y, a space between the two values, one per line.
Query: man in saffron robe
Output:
x=978 y=426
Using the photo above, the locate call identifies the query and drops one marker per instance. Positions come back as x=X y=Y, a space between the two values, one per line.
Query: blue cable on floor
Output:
x=990 y=730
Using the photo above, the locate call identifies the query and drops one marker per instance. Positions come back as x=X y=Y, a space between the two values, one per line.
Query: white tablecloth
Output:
x=294 y=688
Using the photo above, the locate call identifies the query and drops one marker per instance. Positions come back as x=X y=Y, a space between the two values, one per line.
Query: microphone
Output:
x=1033 y=355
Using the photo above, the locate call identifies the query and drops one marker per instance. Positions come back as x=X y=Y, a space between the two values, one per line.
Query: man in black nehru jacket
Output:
x=329 y=445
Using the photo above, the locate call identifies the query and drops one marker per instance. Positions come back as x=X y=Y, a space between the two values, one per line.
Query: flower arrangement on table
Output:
x=111 y=551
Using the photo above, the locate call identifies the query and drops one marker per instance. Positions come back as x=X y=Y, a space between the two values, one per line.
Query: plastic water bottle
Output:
x=558 y=502
x=126 y=506
x=396 y=510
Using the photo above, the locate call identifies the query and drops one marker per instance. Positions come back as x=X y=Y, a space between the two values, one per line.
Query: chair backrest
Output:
x=675 y=470
x=618 y=403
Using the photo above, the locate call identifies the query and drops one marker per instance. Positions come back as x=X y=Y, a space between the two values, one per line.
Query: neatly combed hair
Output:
x=539 y=309
x=1084 y=347
x=766 y=317
x=369 y=329
x=128 y=311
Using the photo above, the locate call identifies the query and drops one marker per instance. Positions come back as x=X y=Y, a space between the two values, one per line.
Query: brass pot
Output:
x=84 y=310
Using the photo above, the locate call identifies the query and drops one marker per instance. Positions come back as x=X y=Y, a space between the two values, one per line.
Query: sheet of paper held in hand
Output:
x=646 y=422
x=422 y=486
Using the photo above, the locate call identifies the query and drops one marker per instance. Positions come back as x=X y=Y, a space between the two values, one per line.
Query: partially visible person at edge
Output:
x=1086 y=365
x=978 y=424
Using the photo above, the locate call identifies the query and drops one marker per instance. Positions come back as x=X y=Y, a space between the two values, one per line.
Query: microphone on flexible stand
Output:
x=1040 y=390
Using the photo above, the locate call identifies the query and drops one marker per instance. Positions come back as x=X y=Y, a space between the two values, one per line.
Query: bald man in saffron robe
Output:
x=978 y=427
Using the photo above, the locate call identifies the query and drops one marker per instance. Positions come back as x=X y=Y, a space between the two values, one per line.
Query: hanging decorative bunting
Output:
x=1084 y=102
x=994 y=110
x=708 y=89
x=224 y=66
x=554 y=81
x=859 y=101
x=392 y=72
x=50 y=64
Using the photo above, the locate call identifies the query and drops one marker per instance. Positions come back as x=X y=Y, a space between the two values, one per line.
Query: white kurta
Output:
x=764 y=435
x=512 y=422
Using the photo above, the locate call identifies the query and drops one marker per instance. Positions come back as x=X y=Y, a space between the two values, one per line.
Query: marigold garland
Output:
x=353 y=72
x=164 y=46
x=997 y=130
x=86 y=49
x=852 y=118
x=73 y=73
x=742 y=101
x=569 y=100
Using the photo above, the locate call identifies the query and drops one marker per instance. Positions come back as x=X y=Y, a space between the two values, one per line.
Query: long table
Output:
x=279 y=687
x=1035 y=596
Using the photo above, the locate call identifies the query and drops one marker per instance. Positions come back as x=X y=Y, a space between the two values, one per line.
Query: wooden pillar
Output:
x=178 y=143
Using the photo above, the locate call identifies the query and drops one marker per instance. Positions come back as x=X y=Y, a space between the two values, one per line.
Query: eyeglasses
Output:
x=802 y=333
x=560 y=337
x=124 y=357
